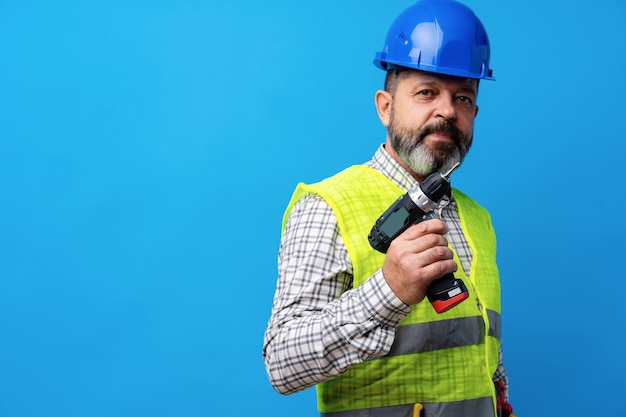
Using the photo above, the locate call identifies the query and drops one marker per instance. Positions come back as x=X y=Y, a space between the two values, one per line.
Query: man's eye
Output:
x=464 y=99
x=425 y=93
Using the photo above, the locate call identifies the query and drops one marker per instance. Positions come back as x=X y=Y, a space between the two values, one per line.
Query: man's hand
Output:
x=416 y=258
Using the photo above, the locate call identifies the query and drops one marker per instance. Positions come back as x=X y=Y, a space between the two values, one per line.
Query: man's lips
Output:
x=439 y=136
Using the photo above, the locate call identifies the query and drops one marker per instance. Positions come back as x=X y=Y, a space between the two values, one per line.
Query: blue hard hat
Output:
x=442 y=36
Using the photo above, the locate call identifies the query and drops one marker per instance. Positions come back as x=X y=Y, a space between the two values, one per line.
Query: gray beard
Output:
x=424 y=161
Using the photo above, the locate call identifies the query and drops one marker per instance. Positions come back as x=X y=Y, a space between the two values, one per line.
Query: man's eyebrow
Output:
x=466 y=87
x=424 y=84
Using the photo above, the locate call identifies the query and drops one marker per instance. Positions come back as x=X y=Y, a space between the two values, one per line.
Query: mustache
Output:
x=445 y=127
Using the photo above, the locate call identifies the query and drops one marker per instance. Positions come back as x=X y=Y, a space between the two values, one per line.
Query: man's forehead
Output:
x=436 y=78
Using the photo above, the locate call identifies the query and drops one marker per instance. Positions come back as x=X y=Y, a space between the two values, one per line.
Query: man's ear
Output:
x=476 y=112
x=383 y=100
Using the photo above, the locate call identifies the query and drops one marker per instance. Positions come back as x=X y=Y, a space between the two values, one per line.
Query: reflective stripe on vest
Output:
x=494 y=321
x=471 y=408
x=426 y=337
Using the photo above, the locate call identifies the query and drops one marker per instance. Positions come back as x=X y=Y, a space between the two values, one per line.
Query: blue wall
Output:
x=148 y=149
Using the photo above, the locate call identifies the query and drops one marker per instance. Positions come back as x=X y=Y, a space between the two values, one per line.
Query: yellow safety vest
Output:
x=444 y=362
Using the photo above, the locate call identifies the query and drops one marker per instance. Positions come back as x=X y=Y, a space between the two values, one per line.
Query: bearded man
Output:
x=355 y=322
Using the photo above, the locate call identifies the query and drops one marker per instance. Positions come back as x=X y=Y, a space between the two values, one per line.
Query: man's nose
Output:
x=445 y=107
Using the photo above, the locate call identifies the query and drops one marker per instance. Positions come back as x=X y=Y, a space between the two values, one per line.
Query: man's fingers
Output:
x=422 y=236
x=420 y=243
x=416 y=257
x=426 y=227
x=441 y=268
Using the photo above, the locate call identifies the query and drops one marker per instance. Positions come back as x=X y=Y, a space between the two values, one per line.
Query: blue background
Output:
x=148 y=149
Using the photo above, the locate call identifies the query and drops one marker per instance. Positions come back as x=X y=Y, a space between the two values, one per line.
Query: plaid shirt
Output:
x=320 y=325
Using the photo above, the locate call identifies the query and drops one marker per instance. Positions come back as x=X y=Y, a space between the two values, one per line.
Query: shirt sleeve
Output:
x=320 y=325
x=500 y=375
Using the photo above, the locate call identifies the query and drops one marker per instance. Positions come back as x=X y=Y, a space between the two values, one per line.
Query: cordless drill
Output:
x=411 y=208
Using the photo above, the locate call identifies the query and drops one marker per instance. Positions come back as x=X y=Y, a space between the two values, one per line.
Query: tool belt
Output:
x=504 y=409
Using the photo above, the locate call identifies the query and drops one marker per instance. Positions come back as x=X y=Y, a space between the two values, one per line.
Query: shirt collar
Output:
x=390 y=168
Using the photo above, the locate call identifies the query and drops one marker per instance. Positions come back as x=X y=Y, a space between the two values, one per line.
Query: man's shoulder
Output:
x=460 y=195
x=355 y=177
x=466 y=203
x=354 y=187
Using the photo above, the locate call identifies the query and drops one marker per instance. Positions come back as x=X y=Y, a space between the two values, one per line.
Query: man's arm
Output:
x=320 y=326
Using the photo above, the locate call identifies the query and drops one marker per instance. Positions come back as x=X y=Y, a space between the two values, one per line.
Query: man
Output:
x=355 y=322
